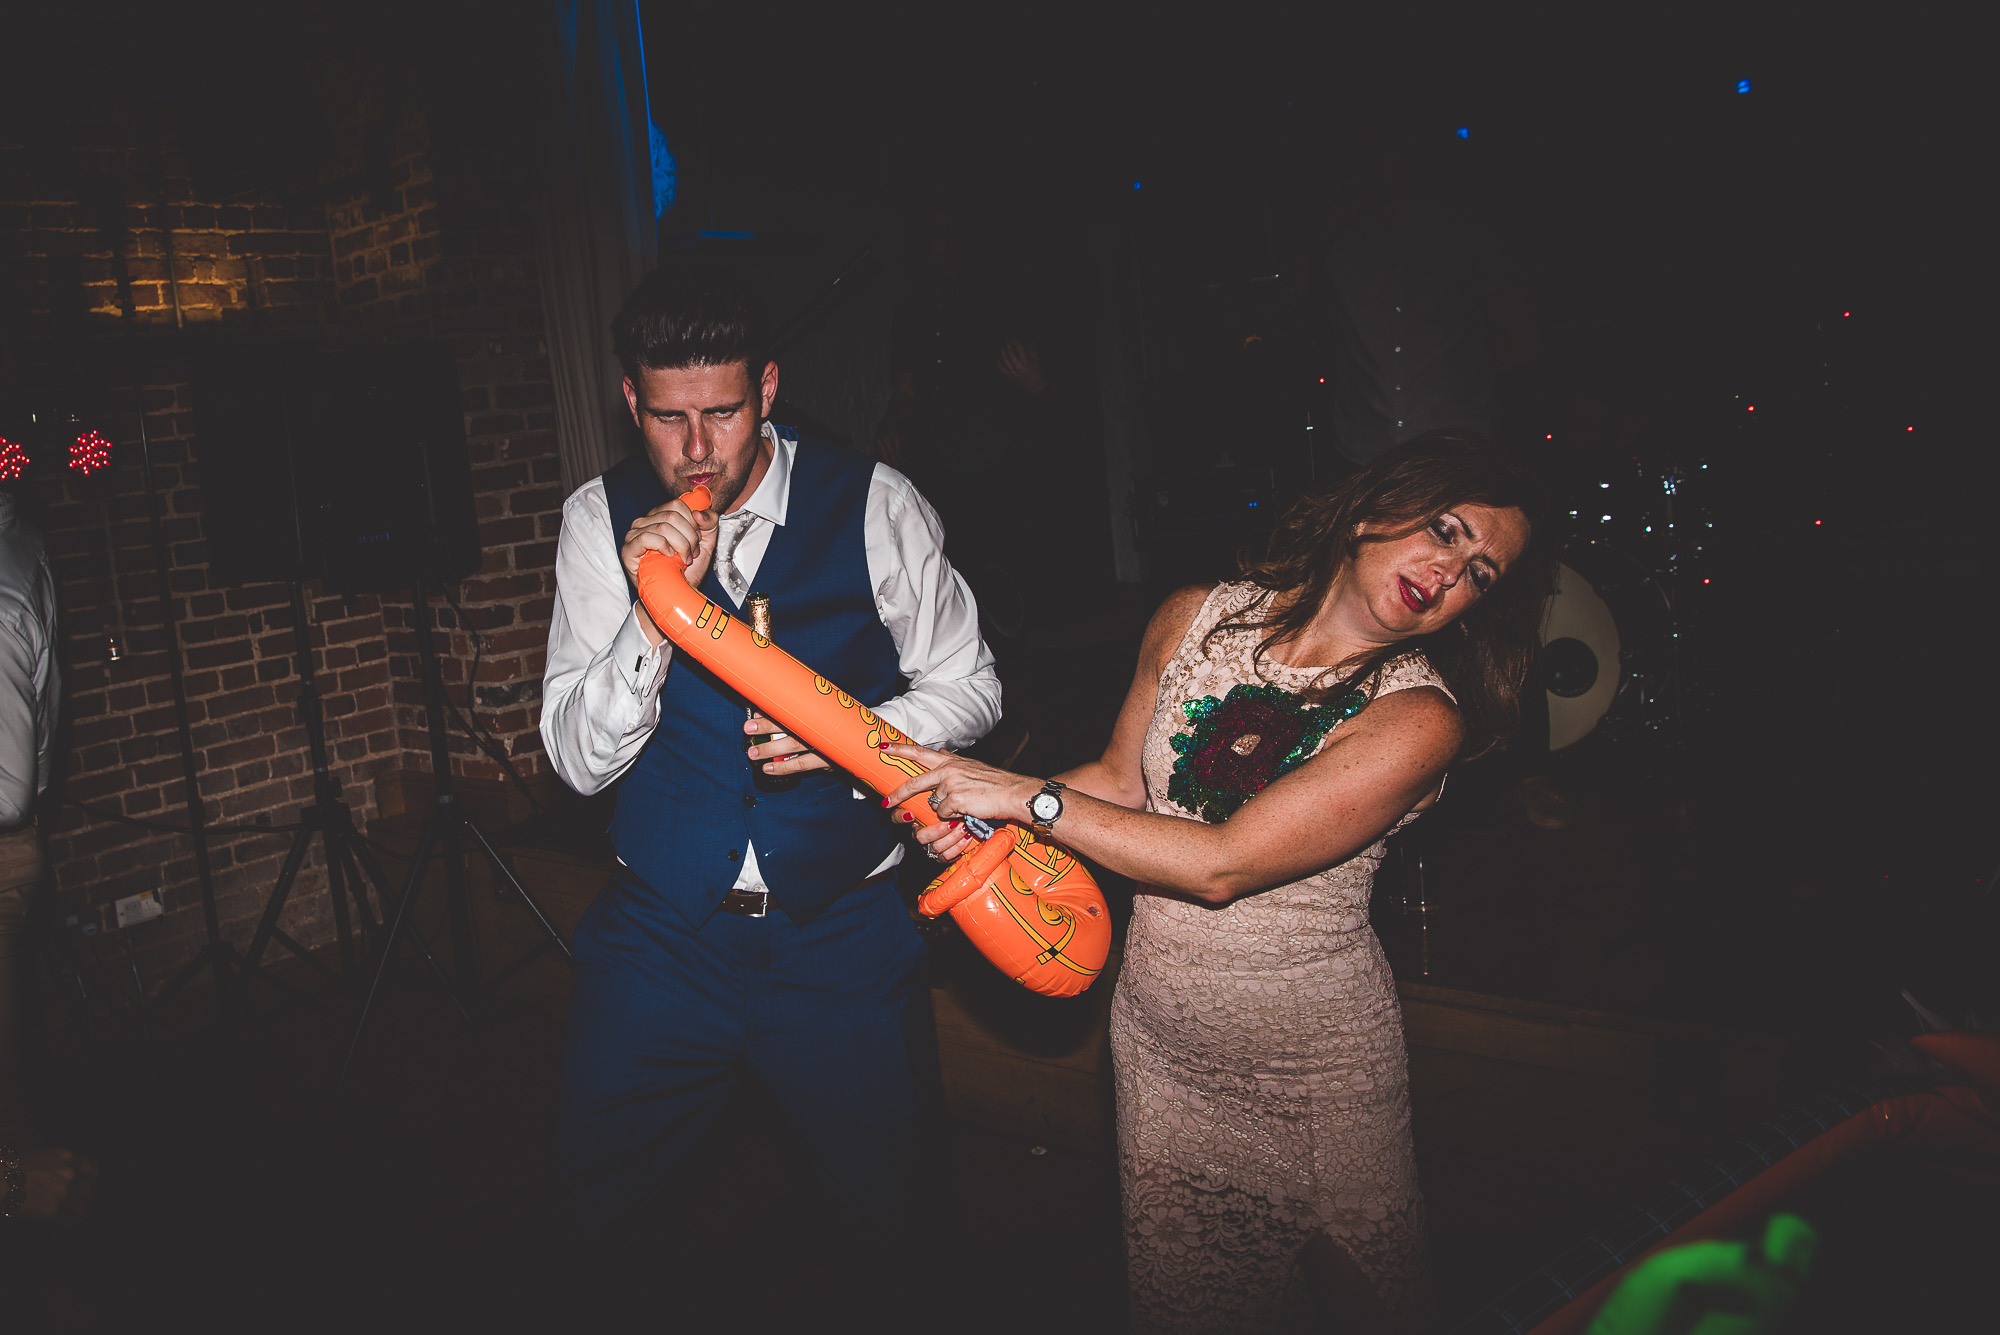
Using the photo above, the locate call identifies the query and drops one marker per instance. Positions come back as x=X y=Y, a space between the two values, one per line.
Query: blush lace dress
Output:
x=1262 y=1084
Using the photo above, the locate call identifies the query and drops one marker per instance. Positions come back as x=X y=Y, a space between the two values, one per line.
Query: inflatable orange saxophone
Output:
x=1030 y=907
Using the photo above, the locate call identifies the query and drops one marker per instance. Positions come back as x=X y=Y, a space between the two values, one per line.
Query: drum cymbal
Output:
x=1580 y=664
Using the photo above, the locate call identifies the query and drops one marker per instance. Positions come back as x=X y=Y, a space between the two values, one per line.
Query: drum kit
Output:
x=1636 y=549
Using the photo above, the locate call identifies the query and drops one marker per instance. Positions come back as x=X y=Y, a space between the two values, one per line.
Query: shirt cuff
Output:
x=641 y=664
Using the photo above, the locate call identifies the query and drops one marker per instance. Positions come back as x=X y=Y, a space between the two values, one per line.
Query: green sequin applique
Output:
x=1237 y=745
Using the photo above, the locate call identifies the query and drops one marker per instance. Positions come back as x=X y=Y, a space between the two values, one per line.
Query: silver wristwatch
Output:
x=1046 y=807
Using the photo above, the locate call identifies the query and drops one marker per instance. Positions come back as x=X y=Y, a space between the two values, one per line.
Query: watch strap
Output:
x=1049 y=789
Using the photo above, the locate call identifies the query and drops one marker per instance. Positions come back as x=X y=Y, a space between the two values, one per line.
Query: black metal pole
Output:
x=326 y=792
x=191 y=787
x=458 y=902
x=448 y=825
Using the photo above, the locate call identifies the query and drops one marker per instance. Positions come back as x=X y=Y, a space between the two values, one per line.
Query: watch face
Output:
x=1046 y=807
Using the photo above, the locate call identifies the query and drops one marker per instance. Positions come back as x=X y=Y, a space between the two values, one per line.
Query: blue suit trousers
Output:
x=833 y=1016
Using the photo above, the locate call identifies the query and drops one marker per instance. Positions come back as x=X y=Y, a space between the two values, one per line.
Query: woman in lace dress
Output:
x=1277 y=730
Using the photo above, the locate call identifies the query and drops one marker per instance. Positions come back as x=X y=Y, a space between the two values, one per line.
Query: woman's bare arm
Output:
x=1379 y=765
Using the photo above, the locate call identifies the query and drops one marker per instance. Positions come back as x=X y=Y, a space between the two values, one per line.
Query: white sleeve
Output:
x=601 y=688
x=50 y=677
x=954 y=695
x=20 y=657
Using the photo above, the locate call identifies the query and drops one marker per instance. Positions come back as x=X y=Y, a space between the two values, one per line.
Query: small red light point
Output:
x=1752 y=408
x=1551 y=435
x=1818 y=522
x=1704 y=581
x=1845 y=314
x=13 y=460
x=1909 y=428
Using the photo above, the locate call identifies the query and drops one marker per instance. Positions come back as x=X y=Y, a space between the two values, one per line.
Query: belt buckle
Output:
x=764 y=904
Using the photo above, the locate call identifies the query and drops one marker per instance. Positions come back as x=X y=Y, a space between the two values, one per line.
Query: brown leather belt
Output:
x=758 y=903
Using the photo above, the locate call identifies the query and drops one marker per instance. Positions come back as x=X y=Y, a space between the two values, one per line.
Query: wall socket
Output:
x=135 y=909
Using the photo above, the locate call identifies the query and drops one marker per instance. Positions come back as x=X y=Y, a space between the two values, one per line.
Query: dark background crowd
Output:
x=1740 y=254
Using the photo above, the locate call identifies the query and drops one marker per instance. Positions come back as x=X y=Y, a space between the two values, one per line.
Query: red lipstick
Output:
x=1413 y=597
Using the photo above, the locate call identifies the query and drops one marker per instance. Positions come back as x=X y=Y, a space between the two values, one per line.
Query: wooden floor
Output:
x=239 y=1188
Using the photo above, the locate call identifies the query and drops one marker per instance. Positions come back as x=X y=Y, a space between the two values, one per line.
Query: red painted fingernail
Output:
x=885 y=801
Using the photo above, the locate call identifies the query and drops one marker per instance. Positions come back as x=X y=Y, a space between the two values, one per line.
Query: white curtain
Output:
x=599 y=220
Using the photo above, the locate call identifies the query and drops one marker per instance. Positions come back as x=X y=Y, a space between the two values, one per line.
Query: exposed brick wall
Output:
x=435 y=243
x=122 y=750
x=460 y=262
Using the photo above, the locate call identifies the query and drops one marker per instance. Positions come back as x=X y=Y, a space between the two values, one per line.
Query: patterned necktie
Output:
x=734 y=526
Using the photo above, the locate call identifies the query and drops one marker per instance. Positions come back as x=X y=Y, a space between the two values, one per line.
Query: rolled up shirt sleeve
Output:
x=954 y=694
x=601 y=688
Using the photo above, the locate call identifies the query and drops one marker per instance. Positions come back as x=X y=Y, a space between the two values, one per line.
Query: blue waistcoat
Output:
x=687 y=805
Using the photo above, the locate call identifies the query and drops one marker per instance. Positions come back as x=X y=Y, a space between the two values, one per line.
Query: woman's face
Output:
x=1421 y=582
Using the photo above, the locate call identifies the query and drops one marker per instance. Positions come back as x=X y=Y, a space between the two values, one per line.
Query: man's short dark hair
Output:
x=692 y=315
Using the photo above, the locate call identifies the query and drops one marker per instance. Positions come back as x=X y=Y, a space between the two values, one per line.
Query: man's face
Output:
x=702 y=426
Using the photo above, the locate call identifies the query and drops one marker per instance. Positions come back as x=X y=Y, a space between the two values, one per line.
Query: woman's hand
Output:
x=958 y=788
x=945 y=841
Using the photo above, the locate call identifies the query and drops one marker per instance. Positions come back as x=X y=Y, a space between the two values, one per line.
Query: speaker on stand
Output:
x=351 y=467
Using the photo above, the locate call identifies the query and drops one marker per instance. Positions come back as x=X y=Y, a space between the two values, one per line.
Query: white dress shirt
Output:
x=601 y=689
x=30 y=689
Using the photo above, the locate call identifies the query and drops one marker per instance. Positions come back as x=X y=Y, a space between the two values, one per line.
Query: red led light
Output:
x=1753 y=408
x=1818 y=522
x=1909 y=428
x=13 y=460
x=1704 y=581
x=1845 y=314
x=1551 y=435
x=90 y=452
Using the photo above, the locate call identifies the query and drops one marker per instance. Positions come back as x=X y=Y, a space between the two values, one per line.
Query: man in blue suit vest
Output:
x=746 y=929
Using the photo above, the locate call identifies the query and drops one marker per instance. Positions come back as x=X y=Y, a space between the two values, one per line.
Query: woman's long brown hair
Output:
x=1484 y=655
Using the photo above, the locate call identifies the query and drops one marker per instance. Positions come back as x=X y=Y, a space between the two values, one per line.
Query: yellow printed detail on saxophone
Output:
x=909 y=767
x=1042 y=855
x=1056 y=948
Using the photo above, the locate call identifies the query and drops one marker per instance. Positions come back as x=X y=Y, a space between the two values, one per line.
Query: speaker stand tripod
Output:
x=347 y=856
x=447 y=827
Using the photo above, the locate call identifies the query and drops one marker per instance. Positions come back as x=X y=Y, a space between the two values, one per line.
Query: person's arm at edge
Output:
x=19 y=724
